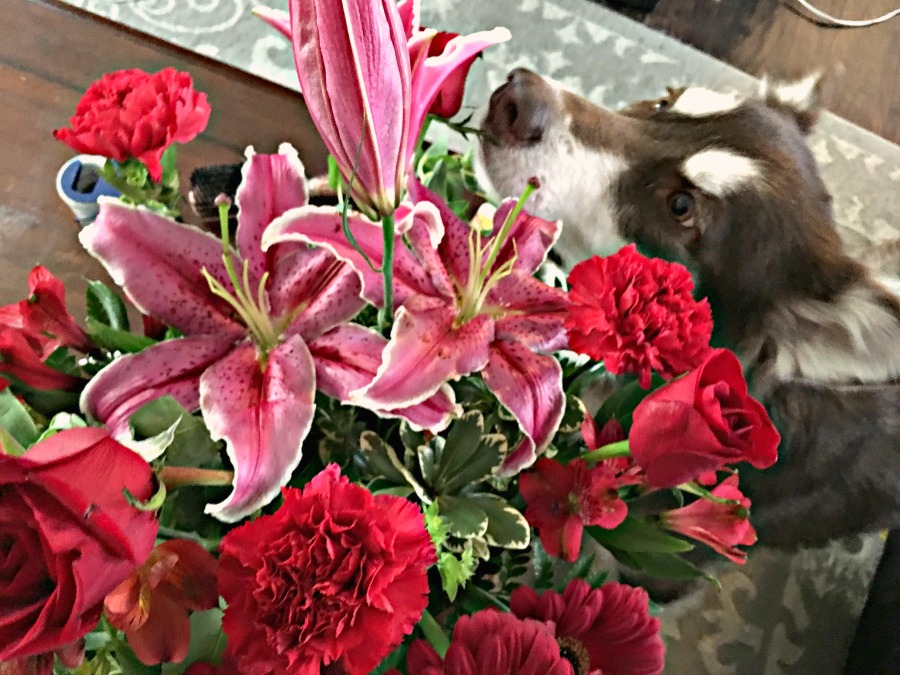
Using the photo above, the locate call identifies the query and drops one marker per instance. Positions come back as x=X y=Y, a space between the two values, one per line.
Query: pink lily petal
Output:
x=327 y=289
x=321 y=226
x=263 y=415
x=534 y=313
x=409 y=16
x=353 y=65
x=426 y=350
x=158 y=262
x=424 y=236
x=170 y=368
x=454 y=245
x=276 y=18
x=347 y=359
x=530 y=387
x=533 y=237
x=270 y=185
x=431 y=73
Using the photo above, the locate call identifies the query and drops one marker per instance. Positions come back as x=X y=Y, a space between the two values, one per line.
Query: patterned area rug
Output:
x=780 y=614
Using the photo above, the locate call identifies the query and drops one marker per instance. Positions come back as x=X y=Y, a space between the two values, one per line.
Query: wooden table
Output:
x=49 y=54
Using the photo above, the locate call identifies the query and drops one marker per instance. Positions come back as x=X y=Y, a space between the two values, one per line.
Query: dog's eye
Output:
x=681 y=206
x=661 y=104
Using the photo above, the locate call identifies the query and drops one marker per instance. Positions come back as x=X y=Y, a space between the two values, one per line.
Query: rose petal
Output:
x=170 y=368
x=530 y=387
x=263 y=415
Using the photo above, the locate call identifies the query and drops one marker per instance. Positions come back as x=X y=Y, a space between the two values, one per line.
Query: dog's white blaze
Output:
x=702 y=102
x=801 y=95
x=856 y=339
x=720 y=172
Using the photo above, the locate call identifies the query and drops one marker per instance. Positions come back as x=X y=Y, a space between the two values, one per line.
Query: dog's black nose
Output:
x=520 y=111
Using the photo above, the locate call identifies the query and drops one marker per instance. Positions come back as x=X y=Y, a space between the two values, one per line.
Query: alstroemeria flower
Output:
x=470 y=303
x=44 y=311
x=439 y=62
x=254 y=350
x=721 y=526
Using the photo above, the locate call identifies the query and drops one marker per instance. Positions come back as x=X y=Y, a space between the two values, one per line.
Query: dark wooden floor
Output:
x=767 y=37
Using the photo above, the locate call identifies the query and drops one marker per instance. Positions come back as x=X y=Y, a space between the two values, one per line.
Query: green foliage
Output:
x=105 y=306
x=191 y=444
x=636 y=535
x=20 y=429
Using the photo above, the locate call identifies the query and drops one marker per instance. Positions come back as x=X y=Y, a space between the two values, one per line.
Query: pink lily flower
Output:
x=469 y=303
x=439 y=63
x=257 y=343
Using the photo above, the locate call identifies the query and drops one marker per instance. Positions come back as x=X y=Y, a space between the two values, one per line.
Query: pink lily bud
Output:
x=353 y=66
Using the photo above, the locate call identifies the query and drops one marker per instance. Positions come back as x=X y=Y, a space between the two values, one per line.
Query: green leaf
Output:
x=115 y=339
x=14 y=418
x=662 y=565
x=621 y=404
x=61 y=422
x=383 y=461
x=61 y=359
x=506 y=527
x=581 y=567
x=429 y=456
x=469 y=456
x=105 y=306
x=206 y=639
x=435 y=525
x=456 y=572
x=464 y=517
x=543 y=566
x=191 y=444
x=169 y=163
x=638 y=535
x=155 y=502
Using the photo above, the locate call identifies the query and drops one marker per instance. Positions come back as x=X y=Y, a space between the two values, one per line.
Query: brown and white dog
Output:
x=729 y=186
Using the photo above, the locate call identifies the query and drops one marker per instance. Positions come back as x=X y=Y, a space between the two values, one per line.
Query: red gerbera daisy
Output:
x=637 y=315
x=607 y=630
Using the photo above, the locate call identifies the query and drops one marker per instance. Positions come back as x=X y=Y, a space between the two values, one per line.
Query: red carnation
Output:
x=608 y=630
x=637 y=315
x=562 y=499
x=130 y=113
x=335 y=576
x=700 y=423
x=492 y=642
x=720 y=526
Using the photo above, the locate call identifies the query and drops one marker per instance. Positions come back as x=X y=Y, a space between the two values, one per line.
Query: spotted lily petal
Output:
x=322 y=289
x=158 y=262
x=426 y=350
x=533 y=237
x=170 y=368
x=347 y=359
x=276 y=18
x=264 y=415
x=529 y=385
x=534 y=313
x=270 y=185
x=321 y=226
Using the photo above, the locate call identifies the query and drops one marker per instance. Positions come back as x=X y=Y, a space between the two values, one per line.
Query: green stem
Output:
x=434 y=634
x=507 y=226
x=211 y=545
x=387 y=269
x=485 y=595
x=420 y=141
x=609 y=451
x=174 y=477
x=694 y=489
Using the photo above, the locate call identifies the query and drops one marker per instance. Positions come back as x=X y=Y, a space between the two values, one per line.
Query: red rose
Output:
x=608 y=630
x=562 y=499
x=335 y=576
x=637 y=315
x=151 y=606
x=701 y=423
x=720 y=526
x=130 y=113
x=67 y=536
x=492 y=642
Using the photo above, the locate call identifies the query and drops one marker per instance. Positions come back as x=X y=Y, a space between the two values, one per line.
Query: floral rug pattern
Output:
x=780 y=614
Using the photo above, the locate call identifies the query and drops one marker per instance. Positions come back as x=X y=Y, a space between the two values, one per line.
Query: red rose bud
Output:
x=44 y=311
x=68 y=536
x=336 y=576
x=605 y=630
x=130 y=113
x=492 y=642
x=720 y=526
x=702 y=422
x=449 y=97
x=637 y=315
x=151 y=606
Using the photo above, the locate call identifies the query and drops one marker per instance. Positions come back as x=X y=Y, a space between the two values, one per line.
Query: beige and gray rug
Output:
x=781 y=614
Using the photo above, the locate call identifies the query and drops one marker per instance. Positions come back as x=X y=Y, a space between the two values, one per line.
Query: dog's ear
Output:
x=801 y=99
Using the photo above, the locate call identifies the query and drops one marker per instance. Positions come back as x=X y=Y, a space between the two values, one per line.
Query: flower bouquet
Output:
x=350 y=438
